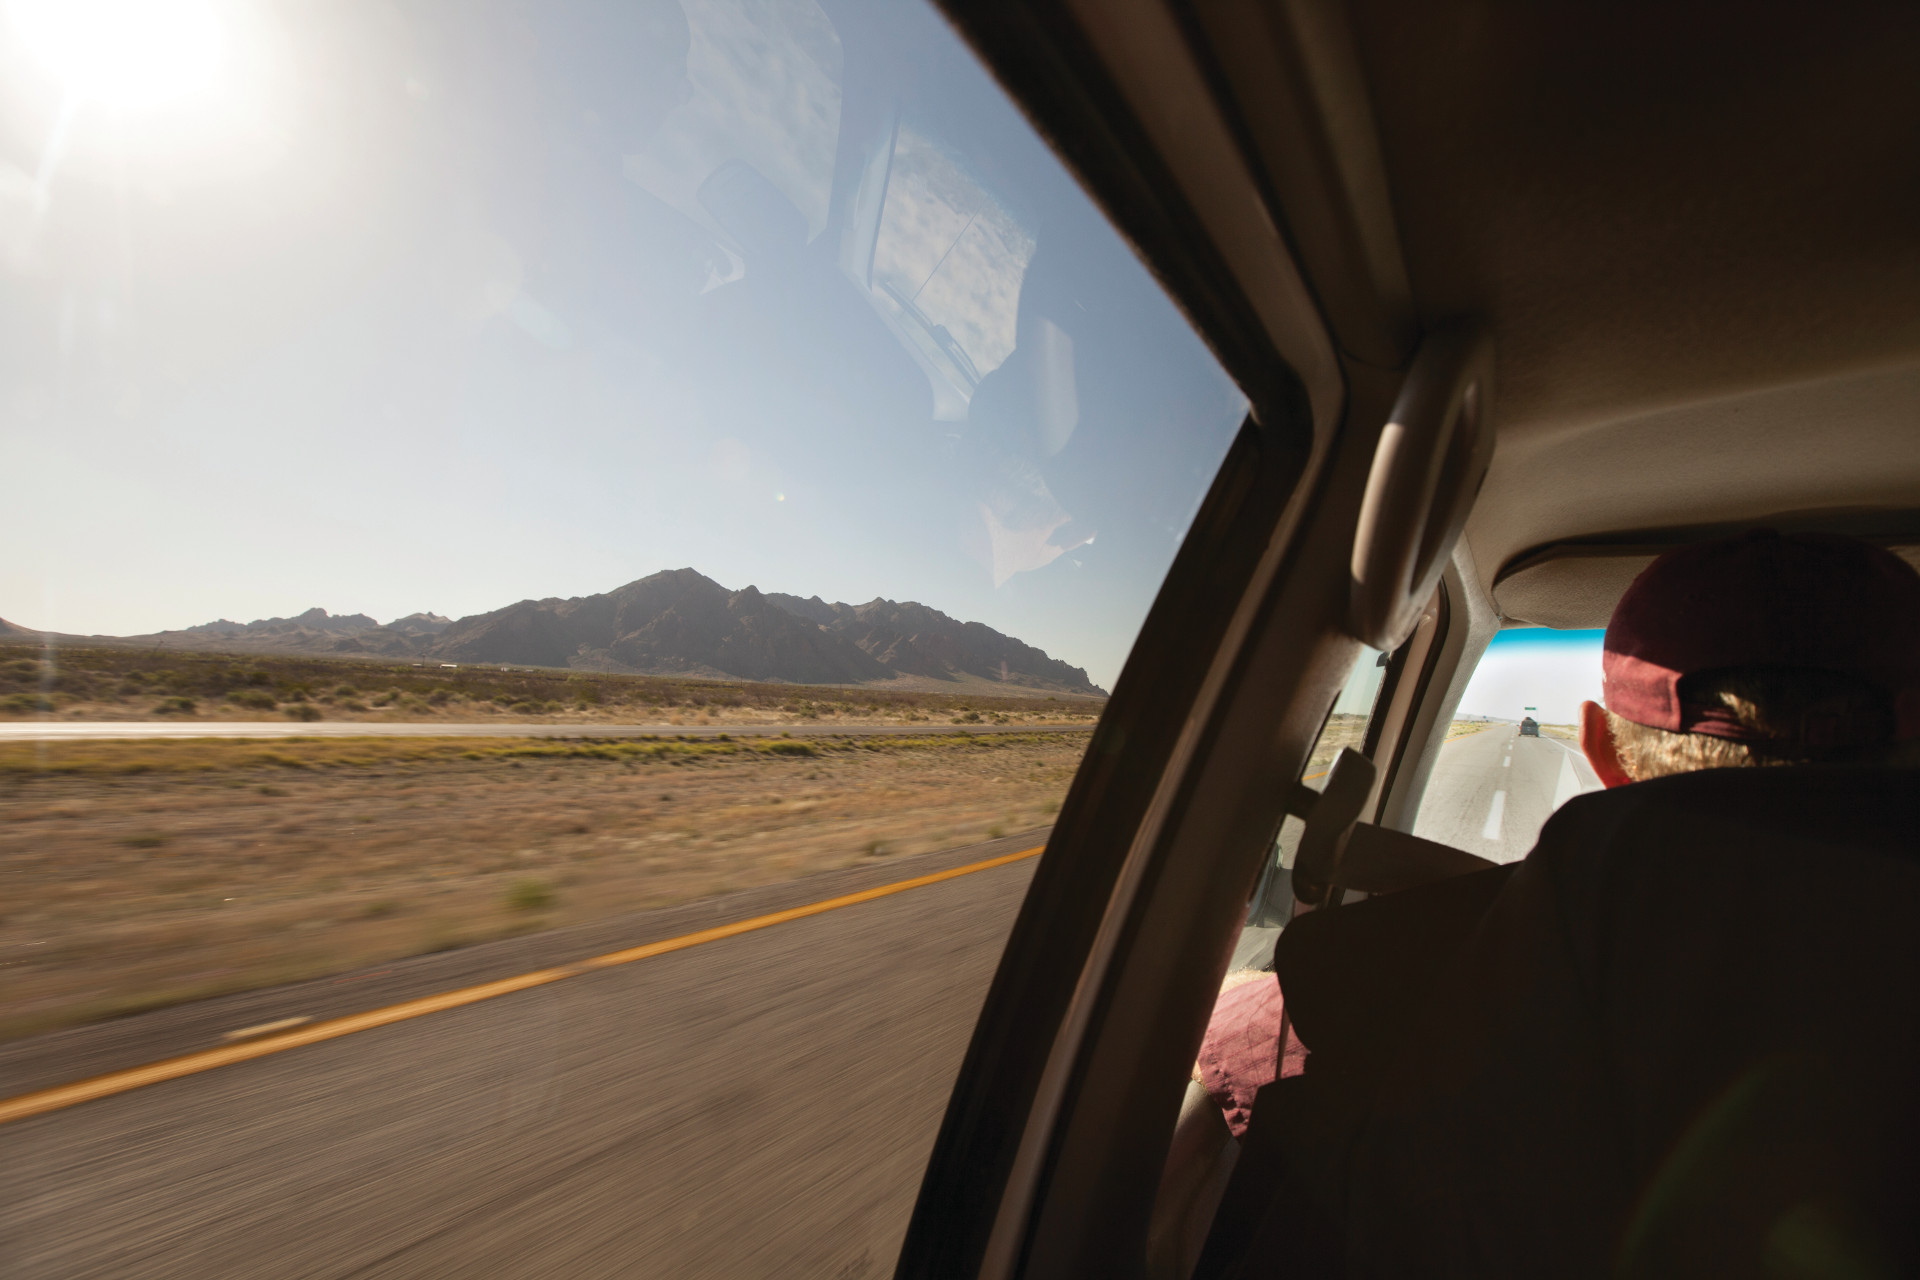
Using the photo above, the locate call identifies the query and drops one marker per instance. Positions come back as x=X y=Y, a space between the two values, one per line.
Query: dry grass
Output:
x=124 y=683
x=1340 y=731
x=128 y=758
x=1347 y=730
x=138 y=874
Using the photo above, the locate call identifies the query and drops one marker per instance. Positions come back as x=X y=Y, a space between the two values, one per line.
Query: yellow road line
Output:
x=68 y=1095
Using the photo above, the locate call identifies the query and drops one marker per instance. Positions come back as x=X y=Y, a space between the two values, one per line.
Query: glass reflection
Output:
x=559 y=294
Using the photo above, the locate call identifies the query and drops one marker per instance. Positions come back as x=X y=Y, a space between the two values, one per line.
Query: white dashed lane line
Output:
x=1495 y=812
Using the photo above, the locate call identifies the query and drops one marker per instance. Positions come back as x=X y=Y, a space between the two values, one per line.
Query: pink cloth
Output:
x=1241 y=1050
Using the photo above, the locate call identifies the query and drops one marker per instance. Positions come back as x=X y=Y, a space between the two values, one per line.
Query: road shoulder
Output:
x=79 y=1053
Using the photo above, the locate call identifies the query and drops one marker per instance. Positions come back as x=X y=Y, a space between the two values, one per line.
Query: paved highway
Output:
x=61 y=731
x=1491 y=791
x=760 y=1105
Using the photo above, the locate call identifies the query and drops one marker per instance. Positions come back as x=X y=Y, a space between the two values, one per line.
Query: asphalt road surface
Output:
x=762 y=1105
x=62 y=731
x=1492 y=791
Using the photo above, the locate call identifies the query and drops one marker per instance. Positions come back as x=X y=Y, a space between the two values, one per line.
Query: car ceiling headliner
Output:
x=1695 y=230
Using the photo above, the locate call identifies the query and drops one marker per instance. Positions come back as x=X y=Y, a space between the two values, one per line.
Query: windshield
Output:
x=1512 y=755
x=561 y=558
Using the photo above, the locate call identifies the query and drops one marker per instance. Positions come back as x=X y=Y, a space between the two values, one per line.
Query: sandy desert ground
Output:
x=138 y=874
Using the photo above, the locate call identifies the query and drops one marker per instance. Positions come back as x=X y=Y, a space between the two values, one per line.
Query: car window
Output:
x=499 y=485
x=1272 y=903
x=1512 y=754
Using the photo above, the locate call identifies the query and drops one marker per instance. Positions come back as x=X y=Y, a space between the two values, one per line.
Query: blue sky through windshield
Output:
x=1553 y=671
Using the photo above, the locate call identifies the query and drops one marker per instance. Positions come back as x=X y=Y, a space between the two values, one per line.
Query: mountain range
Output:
x=677 y=622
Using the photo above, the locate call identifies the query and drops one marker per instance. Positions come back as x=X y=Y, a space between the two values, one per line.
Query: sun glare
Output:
x=129 y=54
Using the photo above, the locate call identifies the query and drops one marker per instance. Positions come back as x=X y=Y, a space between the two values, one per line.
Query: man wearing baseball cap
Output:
x=1683 y=1036
x=1755 y=650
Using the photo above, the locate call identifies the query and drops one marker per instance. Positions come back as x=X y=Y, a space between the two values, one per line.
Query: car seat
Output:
x=1682 y=1038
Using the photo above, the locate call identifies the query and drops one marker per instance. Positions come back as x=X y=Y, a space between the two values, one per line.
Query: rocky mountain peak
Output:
x=677 y=621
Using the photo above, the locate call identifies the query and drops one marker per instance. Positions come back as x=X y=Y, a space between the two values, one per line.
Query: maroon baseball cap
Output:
x=1767 y=599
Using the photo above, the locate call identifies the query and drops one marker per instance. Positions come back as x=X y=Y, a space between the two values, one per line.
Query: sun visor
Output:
x=1574 y=588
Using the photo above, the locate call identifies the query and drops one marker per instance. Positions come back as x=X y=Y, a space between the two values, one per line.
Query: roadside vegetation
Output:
x=138 y=874
x=109 y=683
x=1350 y=730
x=1342 y=730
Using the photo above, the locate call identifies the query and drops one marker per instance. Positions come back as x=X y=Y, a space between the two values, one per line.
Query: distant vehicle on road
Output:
x=1529 y=727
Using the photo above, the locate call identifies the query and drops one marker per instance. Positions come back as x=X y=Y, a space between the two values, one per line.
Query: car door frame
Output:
x=1054 y=1137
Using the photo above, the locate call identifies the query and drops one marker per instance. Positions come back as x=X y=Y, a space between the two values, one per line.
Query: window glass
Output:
x=1247 y=1043
x=1346 y=728
x=1512 y=754
x=496 y=471
x=455 y=305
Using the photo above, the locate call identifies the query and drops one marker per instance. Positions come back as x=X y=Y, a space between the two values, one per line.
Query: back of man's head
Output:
x=1759 y=649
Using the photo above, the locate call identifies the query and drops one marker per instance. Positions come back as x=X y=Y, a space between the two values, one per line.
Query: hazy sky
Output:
x=1554 y=671
x=385 y=307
